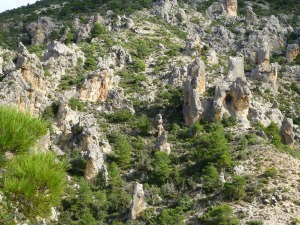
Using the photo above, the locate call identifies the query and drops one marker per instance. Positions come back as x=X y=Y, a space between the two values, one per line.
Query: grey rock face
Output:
x=212 y=57
x=287 y=132
x=118 y=57
x=40 y=31
x=178 y=76
x=193 y=46
x=194 y=87
x=251 y=17
x=292 y=52
x=236 y=67
x=138 y=202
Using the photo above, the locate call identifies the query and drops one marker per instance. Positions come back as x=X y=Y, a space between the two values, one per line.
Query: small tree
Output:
x=144 y=124
x=236 y=189
x=162 y=168
x=97 y=30
x=210 y=179
x=34 y=183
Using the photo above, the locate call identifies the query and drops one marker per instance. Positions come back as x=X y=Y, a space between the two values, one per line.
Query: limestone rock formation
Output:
x=216 y=10
x=194 y=87
x=236 y=67
x=118 y=57
x=212 y=57
x=292 y=52
x=178 y=76
x=162 y=139
x=1 y=64
x=263 y=56
x=83 y=32
x=287 y=132
x=138 y=202
x=95 y=157
x=231 y=7
x=251 y=16
x=233 y=100
x=97 y=86
x=40 y=31
x=193 y=46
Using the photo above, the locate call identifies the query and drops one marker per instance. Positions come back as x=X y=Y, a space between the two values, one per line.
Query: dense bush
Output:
x=76 y=104
x=271 y=172
x=235 y=190
x=34 y=183
x=122 y=150
x=19 y=130
x=162 y=168
x=210 y=179
x=51 y=111
x=219 y=215
x=97 y=30
x=90 y=64
x=121 y=115
x=144 y=125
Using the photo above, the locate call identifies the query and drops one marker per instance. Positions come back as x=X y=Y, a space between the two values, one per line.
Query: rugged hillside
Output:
x=168 y=112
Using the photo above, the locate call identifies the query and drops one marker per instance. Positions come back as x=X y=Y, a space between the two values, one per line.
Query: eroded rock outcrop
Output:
x=40 y=31
x=251 y=16
x=97 y=86
x=138 y=202
x=292 y=52
x=178 y=76
x=287 y=132
x=194 y=87
x=94 y=154
x=263 y=57
x=212 y=57
x=233 y=100
x=231 y=7
x=118 y=57
x=162 y=139
x=236 y=67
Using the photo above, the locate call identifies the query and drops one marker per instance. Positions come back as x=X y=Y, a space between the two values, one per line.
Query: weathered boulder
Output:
x=128 y=22
x=236 y=67
x=231 y=7
x=97 y=86
x=138 y=202
x=194 y=87
x=287 y=132
x=162 y=139
x=166 y=9
x=83 y=32
x=292 y=52
x=216 y=10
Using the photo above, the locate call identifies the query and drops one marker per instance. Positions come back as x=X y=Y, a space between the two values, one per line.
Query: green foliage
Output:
x=171 y=216
x=118 y=198
x=35 y=183
x=212 y=148
x=76 y=104
x=98 y=30
x=235 y=190
x=37 y=49
x=120 y=116
x=122 y=151
x=51 y=111
x=162 y=168
x=90 y=64
x=229 y=121
x=19 y=130
x=219 y=215
x=69 y=38
x=210 y=179
x=254 y=222
x=144 y=125
x=78 y=164
x=84 y=205
x=68 y=81
x=138 y=65
x=271 y=172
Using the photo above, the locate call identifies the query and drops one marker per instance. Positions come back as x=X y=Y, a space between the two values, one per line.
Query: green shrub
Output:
x=171 y=216
x=219 y=215
x=143 y=124
x=121 y=115
x=97 y=30
x=19 y=130
x=162 y=168
x=138 y=65
x=229 y=121
x=51 y=111
x=35 y=183
x=210 y=179
x=37 y=49
x=90 y=64
x=254 y=222
x=123 y=150
x=212 y=148
x=76 y=104
x=271 y=172
x=235 y=190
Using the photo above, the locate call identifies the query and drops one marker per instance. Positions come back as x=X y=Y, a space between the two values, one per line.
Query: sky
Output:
x=11 y=4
